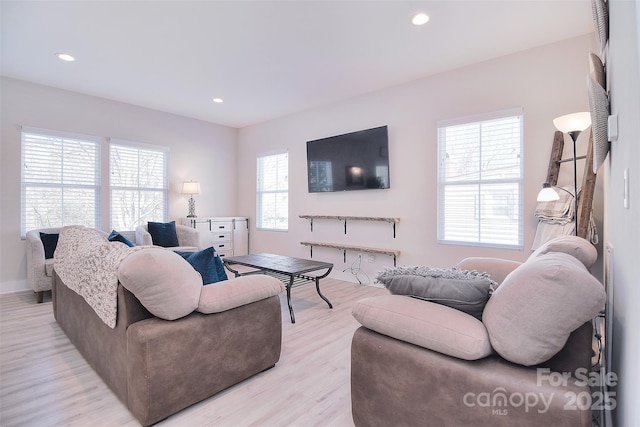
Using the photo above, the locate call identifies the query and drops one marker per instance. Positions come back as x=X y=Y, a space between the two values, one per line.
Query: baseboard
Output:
x=10 y=287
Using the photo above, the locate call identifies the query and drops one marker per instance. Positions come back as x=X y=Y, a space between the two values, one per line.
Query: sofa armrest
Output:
x=188 y=236
x=228 y=294
x=425 y=324
x=143 y=237
x=497 y=268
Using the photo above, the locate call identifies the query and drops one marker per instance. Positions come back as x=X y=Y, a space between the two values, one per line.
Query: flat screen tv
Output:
x=353 y=161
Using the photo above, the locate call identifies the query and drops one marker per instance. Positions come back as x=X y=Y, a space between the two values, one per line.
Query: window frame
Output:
x=487 y=211
x=260 y=192
x=25 y=184
x=165 y=186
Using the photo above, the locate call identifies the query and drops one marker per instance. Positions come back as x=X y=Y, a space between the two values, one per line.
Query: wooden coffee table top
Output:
x=278 y=263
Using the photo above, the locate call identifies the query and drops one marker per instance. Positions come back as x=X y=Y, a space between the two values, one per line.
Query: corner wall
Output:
x=198 y=150
x=622 y=225
x=547 y=82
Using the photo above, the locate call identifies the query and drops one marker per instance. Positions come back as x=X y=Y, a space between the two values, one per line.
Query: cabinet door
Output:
x=241 y=237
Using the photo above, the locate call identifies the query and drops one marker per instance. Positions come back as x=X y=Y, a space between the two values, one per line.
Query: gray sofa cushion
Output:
x=533 y=312
x=425 y=324
x=572 y=245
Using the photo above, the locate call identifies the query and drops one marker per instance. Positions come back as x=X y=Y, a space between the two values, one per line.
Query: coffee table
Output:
x=292 y=271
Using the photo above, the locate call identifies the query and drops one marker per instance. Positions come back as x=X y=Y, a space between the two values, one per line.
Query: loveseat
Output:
x=172 y=341
x=525 y=362
x=184 y=238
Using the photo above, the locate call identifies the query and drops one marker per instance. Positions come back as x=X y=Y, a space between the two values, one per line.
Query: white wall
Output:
x=622 y=225
x=198 y=150
x=546 y=82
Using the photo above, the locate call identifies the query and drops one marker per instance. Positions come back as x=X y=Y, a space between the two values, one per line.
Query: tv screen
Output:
x=353 y=161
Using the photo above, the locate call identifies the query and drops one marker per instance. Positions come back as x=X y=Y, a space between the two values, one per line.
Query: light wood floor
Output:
x=45 y=382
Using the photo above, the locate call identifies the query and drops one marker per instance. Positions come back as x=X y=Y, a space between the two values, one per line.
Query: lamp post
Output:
x=191 y=188
x=573 y=124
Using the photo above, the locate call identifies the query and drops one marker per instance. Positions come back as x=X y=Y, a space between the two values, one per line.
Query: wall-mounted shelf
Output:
x=344 y=219
x=344 y=248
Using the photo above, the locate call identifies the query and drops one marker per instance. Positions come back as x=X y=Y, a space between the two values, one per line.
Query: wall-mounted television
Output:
x=352 y=161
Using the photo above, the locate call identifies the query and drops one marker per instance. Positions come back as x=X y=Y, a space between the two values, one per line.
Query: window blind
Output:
x=138 y=183
x=272 y=192
x=60 y=179
x=480 y=181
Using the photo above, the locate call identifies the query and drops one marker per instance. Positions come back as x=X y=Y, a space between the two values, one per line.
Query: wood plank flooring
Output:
x=45 y=382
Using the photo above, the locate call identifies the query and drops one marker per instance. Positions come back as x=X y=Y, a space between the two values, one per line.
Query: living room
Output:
x=545 y=81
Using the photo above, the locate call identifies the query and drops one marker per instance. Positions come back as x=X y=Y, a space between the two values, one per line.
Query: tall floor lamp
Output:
x=191 y=188
x=573 y=124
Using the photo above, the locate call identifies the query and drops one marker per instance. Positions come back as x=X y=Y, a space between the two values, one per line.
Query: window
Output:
x=480 y=180
x=272 y=192
x=60 y=179
x=139 y=185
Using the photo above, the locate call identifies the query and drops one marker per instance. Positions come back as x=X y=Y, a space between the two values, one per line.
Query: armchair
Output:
x=39 y=269
x=416 y=362
x=188 y=238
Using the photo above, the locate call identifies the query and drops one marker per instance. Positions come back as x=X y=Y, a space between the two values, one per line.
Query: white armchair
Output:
x=188 y=238
x=39 y=269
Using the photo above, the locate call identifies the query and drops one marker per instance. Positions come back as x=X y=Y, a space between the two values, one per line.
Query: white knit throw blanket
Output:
x=88 y=264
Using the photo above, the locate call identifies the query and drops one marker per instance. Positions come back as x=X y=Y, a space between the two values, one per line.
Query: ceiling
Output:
x=265 y=59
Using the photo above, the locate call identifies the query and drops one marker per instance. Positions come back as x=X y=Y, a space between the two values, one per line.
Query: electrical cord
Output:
x=356 y=271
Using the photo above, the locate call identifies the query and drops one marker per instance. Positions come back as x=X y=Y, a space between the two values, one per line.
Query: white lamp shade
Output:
x=573 y=122
x=191 y=187
x=547 y=194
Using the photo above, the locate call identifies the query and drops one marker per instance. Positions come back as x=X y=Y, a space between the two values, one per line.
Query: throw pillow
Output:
x=50 y=241
x=162 y=281
x=463 y=290
x=207 y=263
x=117 y=237
x=425 y=324
x=163 y=233
x=531 y=315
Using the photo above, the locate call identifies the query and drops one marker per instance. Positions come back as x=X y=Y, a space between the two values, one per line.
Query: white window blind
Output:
x=139 y=184
x=60 y=179
x=480 y=180
x=272 y=193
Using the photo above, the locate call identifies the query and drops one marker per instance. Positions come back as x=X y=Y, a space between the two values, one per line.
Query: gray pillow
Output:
x=463 y=290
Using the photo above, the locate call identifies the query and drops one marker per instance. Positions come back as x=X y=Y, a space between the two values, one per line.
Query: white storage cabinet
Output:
x=228 y=235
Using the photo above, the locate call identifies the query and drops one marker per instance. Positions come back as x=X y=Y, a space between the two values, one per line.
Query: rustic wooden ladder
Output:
x=585 y=201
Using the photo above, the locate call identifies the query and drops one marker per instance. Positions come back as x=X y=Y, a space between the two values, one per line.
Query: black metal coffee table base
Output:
x=288 y=269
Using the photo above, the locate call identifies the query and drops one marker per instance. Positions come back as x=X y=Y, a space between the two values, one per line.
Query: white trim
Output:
x=501 y=114
x=136 y=144
x=59 y=133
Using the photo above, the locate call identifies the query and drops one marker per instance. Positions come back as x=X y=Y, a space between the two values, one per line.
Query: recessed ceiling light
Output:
x=420 y=19
x=65 y=57
x=218 y=100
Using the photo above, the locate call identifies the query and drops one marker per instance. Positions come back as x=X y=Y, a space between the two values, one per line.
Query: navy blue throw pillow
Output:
x=163 y=234
x=117 y=237
x=207 y=263
x=50 y=241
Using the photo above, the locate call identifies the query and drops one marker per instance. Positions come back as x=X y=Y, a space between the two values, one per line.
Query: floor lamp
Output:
x=573 y=124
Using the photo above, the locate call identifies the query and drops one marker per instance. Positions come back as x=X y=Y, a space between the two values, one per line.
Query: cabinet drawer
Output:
x=223 y=246
x=221 y=226
x=225 y=253
x=219 y=237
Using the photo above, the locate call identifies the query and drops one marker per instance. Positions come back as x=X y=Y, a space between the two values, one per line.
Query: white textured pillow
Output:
x=426 y=324
x=163 y=281
x=531 y=315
